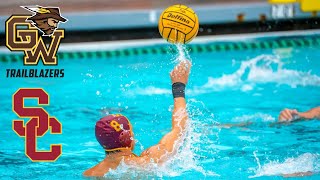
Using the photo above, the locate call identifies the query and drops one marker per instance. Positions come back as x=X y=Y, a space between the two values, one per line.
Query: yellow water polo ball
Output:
x=178 y=24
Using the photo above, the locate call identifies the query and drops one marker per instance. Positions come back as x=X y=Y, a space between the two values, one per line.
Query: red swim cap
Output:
x=114 y=132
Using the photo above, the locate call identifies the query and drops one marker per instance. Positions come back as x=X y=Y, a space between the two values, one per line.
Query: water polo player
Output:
x=115 y=135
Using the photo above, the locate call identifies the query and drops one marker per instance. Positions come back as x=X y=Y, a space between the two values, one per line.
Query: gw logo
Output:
x=37 y=126
x=27 y=39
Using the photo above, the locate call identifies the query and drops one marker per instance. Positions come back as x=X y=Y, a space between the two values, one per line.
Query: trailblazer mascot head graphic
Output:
x=46 y=19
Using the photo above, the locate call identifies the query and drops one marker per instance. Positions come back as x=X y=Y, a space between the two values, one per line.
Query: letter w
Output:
x=48 y=55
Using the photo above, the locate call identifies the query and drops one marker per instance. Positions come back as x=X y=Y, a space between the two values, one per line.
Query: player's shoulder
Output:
x=153 y=150
x=89 y=172
x=134 y=160
x=151 y=154
x=98 y=170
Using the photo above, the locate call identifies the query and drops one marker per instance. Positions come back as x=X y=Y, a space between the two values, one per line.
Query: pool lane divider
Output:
x=273 y=43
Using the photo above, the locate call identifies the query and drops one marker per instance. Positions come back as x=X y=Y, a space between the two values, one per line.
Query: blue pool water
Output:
x=225 y=87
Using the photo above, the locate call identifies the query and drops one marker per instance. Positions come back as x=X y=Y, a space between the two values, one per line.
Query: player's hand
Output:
x=181 y=72
x=288 y=115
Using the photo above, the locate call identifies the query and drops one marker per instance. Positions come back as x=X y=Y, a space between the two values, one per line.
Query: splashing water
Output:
x=183 y=54
x=258 y=117
x=257 y=159
x=304 y=163
x=259 y=70
x=187 y=157
x=262 y=70
x=189 y=154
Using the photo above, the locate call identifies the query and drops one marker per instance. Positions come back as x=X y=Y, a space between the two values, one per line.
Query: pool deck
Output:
x=13 y=6
x=84 y=15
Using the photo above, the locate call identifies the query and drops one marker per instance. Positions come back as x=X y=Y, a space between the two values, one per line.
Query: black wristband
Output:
x=178 y=89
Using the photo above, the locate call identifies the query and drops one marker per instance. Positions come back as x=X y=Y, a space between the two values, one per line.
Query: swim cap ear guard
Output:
x=125 y=138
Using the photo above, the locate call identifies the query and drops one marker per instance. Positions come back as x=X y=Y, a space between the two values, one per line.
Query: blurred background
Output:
x=9 y=7
x=105 y=20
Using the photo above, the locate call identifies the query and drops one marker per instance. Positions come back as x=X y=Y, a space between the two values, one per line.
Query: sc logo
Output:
x=37 y=126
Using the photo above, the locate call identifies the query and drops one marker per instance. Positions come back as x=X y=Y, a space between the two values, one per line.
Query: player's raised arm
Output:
x=169 y=144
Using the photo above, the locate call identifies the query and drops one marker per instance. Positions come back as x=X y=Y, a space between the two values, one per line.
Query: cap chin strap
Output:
x=117 y=149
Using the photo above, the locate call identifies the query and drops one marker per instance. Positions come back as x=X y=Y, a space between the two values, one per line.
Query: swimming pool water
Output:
x=250 y=86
